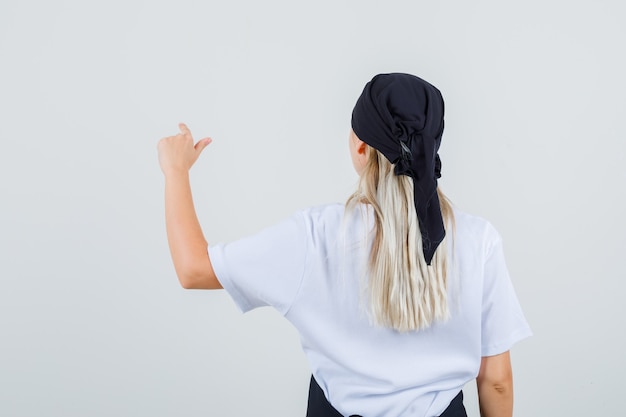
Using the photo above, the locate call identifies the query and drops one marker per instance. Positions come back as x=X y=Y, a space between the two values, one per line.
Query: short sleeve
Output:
x=503 y=322
x=265 y=269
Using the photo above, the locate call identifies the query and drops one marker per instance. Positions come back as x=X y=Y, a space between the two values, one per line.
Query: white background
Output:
x=92 y=319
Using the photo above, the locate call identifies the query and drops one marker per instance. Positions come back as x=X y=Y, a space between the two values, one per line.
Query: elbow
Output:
x=495 y=374
x=197 y=277
x=191 y=281
x=501 y=388
x=500 y=384
x=187 y=282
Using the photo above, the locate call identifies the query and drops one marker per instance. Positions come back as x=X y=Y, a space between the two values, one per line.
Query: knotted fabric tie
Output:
x=401 y=116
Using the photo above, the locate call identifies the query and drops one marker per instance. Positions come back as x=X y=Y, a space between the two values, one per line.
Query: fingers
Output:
x=202 y=143
x=184 y=129
x=178 y=152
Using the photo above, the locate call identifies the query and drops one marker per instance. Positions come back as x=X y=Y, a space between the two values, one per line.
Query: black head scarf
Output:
x=401 y=116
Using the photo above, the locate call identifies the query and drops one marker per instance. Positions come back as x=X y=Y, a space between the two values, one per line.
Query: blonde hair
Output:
x=405 y=293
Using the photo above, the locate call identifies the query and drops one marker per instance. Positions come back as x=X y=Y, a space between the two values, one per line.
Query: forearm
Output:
x=188 y=246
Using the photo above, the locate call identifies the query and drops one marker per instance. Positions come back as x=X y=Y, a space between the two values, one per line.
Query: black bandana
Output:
x=401 y=116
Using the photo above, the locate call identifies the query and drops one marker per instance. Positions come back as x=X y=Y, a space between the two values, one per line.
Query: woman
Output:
x=399 y=299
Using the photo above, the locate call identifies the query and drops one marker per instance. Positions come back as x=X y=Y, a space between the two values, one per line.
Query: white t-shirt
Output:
x=310 y=268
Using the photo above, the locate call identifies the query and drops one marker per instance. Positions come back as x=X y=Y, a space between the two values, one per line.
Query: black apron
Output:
x=319 y=406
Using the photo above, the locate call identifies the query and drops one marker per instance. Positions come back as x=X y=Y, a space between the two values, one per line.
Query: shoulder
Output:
x=474 y=224
x=324 y=211
x=326 y=215
x=474 y=230
x=330 y=225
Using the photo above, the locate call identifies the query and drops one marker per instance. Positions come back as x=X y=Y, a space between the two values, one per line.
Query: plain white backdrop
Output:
x=92 y=319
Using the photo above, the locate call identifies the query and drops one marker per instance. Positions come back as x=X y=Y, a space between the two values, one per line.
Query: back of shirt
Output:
x=312 y=268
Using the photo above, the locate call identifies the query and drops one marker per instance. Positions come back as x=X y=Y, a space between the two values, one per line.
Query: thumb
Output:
x=202 y=143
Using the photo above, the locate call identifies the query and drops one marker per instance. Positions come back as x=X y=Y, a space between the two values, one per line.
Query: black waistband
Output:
x=319 y=406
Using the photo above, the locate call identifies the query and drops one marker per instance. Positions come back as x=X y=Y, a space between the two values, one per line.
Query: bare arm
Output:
x=188 y=246
x=495 y=386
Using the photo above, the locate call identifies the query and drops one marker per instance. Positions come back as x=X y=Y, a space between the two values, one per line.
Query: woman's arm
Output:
x=495 y=386
x=188 y=246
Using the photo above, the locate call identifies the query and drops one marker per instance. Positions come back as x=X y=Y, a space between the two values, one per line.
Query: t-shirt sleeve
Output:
x=265 y=269
x=503 y=322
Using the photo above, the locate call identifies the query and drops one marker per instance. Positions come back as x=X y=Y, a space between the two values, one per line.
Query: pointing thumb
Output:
x=202 y=143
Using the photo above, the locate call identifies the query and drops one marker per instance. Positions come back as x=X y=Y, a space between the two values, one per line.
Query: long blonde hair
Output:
x=404 y=292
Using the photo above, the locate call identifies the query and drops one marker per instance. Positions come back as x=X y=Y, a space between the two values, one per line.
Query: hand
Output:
x=178 y=153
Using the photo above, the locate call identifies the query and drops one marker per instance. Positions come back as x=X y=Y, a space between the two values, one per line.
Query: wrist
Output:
x=171 y=173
